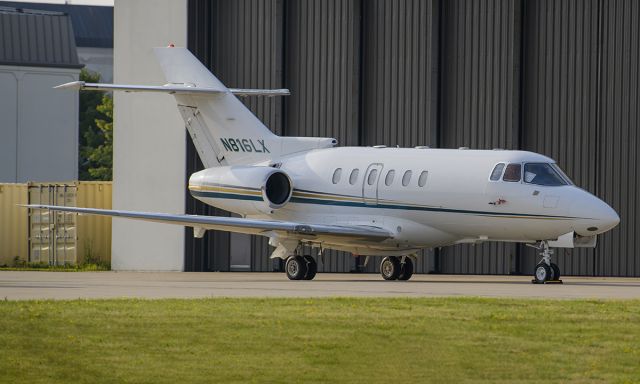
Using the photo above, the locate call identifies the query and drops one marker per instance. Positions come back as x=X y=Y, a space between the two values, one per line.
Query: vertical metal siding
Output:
x=322 y=72
x=561 y=77
x=400 y=81
x=367 y=72
x=400 y=62
x=94 y=232
x=322 y=69
x=14 y=224
x=241 y=42
x=480 y=101
x=618 y=161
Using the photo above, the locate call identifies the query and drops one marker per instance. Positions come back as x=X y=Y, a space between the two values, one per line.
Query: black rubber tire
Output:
x=312 y=267
x=390 y=268
x=541 y=273
x=295 y=267
x=555 y=272
x=406 y=269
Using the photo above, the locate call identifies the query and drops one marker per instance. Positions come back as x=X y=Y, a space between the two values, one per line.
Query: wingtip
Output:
x=71 y=85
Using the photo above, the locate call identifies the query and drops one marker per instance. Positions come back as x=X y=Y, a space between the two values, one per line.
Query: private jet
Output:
x=369 y=201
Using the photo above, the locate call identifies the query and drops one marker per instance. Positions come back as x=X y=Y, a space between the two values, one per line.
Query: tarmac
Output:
x=29 y=285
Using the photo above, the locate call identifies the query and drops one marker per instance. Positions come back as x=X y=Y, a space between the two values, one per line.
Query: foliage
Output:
x=96 y=132
x=21 y=265
x=362 y=340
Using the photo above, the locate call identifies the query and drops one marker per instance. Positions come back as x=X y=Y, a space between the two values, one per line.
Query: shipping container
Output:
x=42 y=236
x=14 y=232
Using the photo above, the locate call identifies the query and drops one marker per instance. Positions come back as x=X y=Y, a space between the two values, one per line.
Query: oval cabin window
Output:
x=406 y=178
x=372 y=176
x=422 y=180
x=389 y=178
x=354 y=176
x=336 y=175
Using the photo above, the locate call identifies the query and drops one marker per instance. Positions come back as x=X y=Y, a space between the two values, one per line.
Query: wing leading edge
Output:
x=302 y=231
x=179 y=89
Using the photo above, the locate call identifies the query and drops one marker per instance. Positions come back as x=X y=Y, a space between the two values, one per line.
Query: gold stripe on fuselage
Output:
x=226 y=189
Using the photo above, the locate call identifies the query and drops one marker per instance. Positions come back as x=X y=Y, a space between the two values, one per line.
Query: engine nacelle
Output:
x=242 y=189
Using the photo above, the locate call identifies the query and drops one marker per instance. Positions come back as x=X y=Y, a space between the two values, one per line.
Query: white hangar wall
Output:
x=149 y=138
x=38 y=125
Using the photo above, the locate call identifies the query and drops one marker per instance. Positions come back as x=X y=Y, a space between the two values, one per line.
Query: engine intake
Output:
x=278 y=189
x=233 y=188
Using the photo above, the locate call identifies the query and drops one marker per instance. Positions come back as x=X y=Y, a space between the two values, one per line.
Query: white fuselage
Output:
x=455 y=202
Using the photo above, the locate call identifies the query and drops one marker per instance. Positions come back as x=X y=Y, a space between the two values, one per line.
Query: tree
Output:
x=101 y=158
x=95 y=156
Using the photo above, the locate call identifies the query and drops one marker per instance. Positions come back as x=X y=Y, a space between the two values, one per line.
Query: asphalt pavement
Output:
x=23 y=285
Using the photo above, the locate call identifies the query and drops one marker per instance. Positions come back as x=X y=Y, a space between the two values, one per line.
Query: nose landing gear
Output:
x=546 y=272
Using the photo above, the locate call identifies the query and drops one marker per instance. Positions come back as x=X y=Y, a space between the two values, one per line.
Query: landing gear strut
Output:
x=394 y=268
x=301 y=267
x=546 y=271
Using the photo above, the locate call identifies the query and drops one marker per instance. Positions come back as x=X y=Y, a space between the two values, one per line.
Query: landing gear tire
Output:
x=390 y=268
x=555 y=272
x=542 y=273
x=296 y=268
x=312 y=267
x=406 y=269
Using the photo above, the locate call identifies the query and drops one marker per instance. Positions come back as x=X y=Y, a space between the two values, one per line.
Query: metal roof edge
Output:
x=41 y=65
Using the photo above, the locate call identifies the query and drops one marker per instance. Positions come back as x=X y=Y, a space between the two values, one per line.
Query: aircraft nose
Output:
x=594 y=216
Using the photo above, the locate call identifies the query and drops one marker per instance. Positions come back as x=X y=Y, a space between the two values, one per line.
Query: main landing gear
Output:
x=301 y=267
x=396 y=268
x=546 y=271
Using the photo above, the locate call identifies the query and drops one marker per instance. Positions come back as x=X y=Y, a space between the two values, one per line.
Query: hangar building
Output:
x=555 y=77
x=38 y=125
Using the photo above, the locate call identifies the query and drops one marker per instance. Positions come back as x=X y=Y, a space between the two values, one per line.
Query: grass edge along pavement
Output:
x=320 y=340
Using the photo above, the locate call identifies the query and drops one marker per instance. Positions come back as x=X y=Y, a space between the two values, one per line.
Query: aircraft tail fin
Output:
x=223 y=129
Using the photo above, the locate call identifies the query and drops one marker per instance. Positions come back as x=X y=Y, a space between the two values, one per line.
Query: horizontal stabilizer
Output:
x=179 y=89
x=240 y=225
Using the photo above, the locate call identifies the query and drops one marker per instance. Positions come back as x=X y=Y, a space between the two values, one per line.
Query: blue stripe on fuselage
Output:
x=305 y=200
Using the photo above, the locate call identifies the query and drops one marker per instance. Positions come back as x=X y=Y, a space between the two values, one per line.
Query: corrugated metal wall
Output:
x=555 y=77
x=480 y=101
x=619 y=141
x=41 y=236
x=560 y=96
x=322 y=70
x=242 y=42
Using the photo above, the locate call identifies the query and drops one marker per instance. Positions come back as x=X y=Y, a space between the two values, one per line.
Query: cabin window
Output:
x=354 y=176
x=542 y=174
x=389 y=179
x=372 y=176
x=497 y=172
x=336 y=175
x=422 y=180
x=406 y=178
x=513 y=172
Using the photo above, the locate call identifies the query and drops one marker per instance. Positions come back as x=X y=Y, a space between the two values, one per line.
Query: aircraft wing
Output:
x=179 y=89
x=239 y=225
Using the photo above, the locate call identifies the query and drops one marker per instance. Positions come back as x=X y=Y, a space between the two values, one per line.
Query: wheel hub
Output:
x=292 y=268
x=387 y=268
x=541 y=273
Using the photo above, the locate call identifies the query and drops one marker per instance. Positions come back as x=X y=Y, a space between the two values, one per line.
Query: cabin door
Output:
x=370 y=184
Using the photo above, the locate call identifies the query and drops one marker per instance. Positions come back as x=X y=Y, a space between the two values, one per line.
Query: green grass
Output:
x=395 y=340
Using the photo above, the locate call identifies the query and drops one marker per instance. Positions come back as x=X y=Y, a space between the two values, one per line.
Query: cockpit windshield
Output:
x=544 y=174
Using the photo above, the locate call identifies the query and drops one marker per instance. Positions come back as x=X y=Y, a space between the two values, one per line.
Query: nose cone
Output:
x=592 y=215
